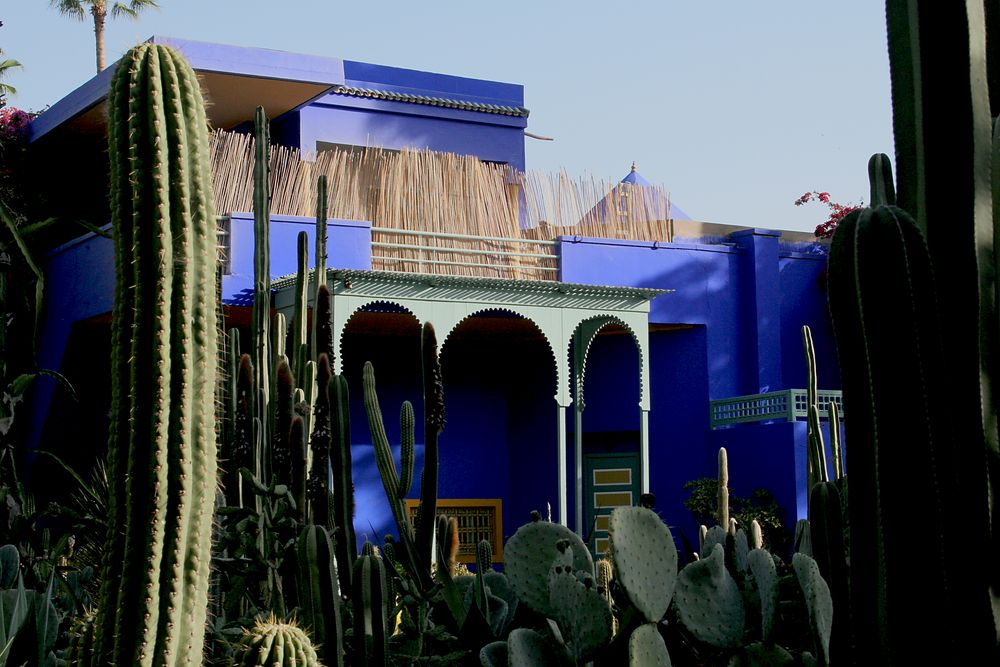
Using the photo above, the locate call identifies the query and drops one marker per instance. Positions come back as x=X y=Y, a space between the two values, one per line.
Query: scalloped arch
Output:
x=512 y=311
x=582 y=356
x=338 y=336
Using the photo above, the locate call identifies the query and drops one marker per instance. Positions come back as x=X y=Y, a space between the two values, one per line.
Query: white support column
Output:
x=561 y=443
x=578 y=460
x=644 y=449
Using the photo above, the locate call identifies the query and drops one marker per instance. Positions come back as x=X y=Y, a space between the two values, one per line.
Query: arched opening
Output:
x=606 y=426
x=500 y=438
x=387 y=335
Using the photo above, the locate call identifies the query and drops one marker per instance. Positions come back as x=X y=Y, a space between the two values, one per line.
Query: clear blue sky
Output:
x=736 y=107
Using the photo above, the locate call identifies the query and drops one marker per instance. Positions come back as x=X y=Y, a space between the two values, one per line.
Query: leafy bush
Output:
x=760 y=505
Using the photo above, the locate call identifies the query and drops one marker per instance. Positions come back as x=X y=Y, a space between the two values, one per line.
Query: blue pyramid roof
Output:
x=635 y=178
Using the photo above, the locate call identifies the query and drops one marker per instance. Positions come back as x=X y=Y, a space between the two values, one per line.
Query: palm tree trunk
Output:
x=100 y=14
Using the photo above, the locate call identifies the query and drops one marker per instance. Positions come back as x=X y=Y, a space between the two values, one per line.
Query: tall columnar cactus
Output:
x=910 y=463
x=242 y=452
x=414 y=559
x=826 y=526
x=370 y=612
x=299 y=350
x=162 y=447
x=722 y=509
x=284 y=404
x=433 y=425
x=317 y=488
x=319 y=277
x=944 y=182
x=319 y=593
x=261 y=329
x=343 y=484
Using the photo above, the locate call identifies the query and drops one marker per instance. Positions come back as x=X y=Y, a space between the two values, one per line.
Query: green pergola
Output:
x=568 y=315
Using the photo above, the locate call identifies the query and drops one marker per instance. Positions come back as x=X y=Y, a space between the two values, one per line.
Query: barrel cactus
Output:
x=162 y=444
x=273 y=643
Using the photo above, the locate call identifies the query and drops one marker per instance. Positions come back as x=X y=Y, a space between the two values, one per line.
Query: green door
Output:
x=609 y=481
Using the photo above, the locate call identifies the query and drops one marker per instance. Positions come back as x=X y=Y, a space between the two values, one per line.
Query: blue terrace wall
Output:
x=337 y=118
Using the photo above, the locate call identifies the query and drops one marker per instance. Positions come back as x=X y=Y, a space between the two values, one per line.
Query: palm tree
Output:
x=6 y=65
x=99 y=10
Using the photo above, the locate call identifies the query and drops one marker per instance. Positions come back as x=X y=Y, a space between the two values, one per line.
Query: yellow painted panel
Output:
x=613 y=476
x=603 y=522
x=613 y=499
x=603 y=545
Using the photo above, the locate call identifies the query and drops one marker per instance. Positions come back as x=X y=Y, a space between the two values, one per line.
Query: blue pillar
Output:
x=760 y=299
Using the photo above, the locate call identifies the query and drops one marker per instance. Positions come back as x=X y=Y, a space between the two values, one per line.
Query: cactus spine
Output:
x=162 y=445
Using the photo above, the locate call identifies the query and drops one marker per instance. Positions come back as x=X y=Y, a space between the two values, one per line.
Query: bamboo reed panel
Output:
x=445 y=193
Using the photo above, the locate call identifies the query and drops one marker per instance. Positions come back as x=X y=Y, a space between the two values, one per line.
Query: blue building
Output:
x=580 y=371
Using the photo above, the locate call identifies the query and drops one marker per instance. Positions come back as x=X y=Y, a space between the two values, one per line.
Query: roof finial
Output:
x=633 y=166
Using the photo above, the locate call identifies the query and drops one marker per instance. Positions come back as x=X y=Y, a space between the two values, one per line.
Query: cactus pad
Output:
x=646 y=648
x=765 y=575
x=527 y=648
x=715 y=535
x=741 y=549
x=645 y=558
x=819 y=602
x=493 y=654
x=531 y=552
x=709 y=602
x=583 y=614
x=762 y=655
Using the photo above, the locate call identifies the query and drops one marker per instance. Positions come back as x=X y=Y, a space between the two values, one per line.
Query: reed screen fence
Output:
x=445 y=213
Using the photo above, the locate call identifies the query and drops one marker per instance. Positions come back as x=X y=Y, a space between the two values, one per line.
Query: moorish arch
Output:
x=583 y=338
x=383 y=332
x=559 y=310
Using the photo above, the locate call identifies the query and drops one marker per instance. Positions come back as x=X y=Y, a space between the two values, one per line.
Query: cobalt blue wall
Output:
x=803 y=301
x=365 y=121
x=678 y=420
x=348 y=247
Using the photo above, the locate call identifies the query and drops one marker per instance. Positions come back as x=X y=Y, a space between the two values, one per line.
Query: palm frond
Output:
x=74 y=8
x=132 y=8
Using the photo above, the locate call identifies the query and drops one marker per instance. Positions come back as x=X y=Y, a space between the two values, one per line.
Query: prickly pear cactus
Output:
x=273 y=643
x=527 y=648
x=582 y=613
x=766 y=655
x=646 y=648
x=645 y=558
x=493 y=654
x=709 y=602
x=765 y=577
x=714 y=535
x=531 y=552
x=819 y=603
